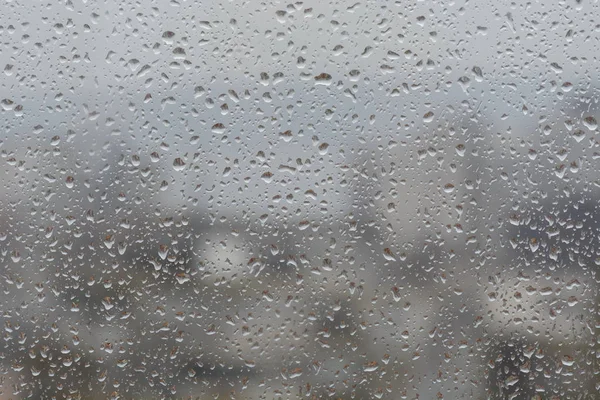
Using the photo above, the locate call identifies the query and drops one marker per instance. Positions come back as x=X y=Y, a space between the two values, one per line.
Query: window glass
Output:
x=303 y=200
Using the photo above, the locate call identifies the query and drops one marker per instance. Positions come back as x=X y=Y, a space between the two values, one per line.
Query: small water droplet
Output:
x=267 y=177
x=178 y=164
x=428 y=117
x=323 y=148
x=590 y=123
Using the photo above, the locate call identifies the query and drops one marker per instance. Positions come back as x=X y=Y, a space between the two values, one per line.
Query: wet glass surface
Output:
x=304 y=200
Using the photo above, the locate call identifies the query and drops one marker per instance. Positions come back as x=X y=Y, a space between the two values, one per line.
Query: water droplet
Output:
x=388 y=254
x=371 y=366
x=428 y=117
x=534 y=244
x=178 y=164
x=323 y=148
x=323 y=79
x=267 y=177
x=578 y=135
x=590 y=123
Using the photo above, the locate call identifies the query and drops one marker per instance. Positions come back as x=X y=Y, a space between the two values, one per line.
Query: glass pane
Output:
x=304 y=200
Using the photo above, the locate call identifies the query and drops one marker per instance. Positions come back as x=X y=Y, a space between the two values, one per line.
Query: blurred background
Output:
x=304 y=200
